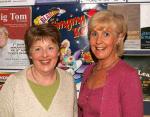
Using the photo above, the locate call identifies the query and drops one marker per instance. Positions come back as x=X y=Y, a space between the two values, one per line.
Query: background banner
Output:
x=13 y=23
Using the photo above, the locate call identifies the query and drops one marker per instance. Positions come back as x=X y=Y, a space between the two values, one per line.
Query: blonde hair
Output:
x=109 y=19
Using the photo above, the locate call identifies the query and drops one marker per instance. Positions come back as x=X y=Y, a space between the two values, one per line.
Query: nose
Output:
x=45 y=53
x=99 y=39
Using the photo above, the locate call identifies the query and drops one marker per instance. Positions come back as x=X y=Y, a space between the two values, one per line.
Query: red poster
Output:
x=16 y=19
x=13 y=23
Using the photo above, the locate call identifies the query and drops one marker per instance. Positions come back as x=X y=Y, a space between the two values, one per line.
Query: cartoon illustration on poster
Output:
x=13 y=23
x=71 y=20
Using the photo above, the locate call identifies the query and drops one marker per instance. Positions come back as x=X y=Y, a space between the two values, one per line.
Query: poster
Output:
x=13 y=23
x=145 y=26
x=131 y=13
x=71 y=20
x=16 y=2
x=142 y=64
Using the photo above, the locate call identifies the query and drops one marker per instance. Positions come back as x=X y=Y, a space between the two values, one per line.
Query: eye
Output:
x=36 y=49
x=94 y=34
x=51 y=48
x=106 y=34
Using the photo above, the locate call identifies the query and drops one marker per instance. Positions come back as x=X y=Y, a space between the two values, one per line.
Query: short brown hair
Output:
x=39 y=32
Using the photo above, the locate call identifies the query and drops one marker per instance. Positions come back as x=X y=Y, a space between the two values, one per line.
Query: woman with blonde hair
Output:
x=110 y=87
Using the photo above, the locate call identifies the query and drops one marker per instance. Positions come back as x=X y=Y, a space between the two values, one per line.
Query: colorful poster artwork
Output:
x=71 y=20
x=140 y=62
x=13 y=23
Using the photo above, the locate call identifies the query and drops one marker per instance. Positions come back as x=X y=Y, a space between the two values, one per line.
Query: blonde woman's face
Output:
x=3 y=38
x=103 y=43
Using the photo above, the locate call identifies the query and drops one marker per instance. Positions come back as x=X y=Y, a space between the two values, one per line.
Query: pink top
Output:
x=122 y=94
x=91 y=99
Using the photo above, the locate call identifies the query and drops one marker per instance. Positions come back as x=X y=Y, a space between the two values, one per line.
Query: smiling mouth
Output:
x=45 y=61
x=99 y=48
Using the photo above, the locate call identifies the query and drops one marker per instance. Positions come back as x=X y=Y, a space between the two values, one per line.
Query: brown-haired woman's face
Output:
x=44 y=55
x=103 y=42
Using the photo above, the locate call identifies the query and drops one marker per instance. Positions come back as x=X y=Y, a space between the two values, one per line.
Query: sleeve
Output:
x=73 y=98
x=75 y=103
x=7 y=97
x=132 y=96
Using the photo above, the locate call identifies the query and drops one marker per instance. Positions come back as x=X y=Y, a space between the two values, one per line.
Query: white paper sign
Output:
x=102 y=1
x=138 y=0
x=16 y=2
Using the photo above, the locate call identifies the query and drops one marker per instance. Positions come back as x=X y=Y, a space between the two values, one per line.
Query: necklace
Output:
x=44 y=83
x=34 y=76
